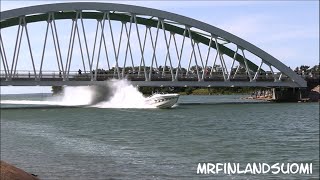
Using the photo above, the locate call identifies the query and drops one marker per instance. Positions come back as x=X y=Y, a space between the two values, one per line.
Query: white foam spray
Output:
x=71 y=96
x=29 y=102
x=125 y=95
x=122 y=95
x=75 y=96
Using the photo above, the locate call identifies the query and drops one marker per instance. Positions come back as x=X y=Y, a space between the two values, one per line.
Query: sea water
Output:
x=67 y=141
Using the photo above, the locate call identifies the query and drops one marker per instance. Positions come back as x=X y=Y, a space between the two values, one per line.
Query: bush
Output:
x=188 y=90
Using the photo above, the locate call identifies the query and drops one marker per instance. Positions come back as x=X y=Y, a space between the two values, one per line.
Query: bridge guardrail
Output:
x=156 y=76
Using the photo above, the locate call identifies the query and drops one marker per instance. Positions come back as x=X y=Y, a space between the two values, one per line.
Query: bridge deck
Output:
x=140 y=80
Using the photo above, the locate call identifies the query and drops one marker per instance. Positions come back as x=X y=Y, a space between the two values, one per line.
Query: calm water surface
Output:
x=93 y=143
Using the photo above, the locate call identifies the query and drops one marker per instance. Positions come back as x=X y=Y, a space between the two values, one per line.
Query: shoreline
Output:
x=9 y=172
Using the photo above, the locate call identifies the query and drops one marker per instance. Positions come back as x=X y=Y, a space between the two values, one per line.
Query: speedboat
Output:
x=162 y=100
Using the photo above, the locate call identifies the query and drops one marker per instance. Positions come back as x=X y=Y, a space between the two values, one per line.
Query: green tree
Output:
x=189 y=90
x=304 y=68
x=315 y=68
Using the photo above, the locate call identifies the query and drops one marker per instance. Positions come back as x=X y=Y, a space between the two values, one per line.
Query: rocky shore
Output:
x=10 y=172
x=312 y=95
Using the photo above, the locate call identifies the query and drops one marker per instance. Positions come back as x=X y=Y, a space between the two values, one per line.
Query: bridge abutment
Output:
x=288 y=94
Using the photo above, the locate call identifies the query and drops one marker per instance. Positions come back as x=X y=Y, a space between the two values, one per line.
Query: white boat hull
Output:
x=163 y=100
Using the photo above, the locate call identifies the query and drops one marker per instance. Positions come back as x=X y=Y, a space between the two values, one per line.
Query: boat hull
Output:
x=163 y=100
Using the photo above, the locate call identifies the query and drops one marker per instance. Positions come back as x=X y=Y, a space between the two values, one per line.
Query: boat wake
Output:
x=124 y=95
x=115 y=94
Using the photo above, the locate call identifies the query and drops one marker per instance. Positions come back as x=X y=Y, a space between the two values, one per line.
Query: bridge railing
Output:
x=30 y=74
x=156 y=76
x=134 y=76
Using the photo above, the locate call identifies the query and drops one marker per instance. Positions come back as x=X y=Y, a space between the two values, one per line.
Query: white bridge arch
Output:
x=148 y=73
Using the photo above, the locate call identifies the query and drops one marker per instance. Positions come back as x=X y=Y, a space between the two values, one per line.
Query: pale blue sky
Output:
x=288 y=30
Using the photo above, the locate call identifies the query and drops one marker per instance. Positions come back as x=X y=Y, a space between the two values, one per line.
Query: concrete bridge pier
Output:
x=288 y=94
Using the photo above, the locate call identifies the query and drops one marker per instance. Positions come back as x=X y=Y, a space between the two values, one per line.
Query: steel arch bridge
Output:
x=99 y=41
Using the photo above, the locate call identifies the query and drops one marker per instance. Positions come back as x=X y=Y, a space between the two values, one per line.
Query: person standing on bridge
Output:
x=79 y=71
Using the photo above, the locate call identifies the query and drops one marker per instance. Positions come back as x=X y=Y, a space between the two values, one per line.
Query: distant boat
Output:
x=162 y=100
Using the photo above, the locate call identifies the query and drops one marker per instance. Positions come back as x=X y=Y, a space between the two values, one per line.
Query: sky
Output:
x=288 y=30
